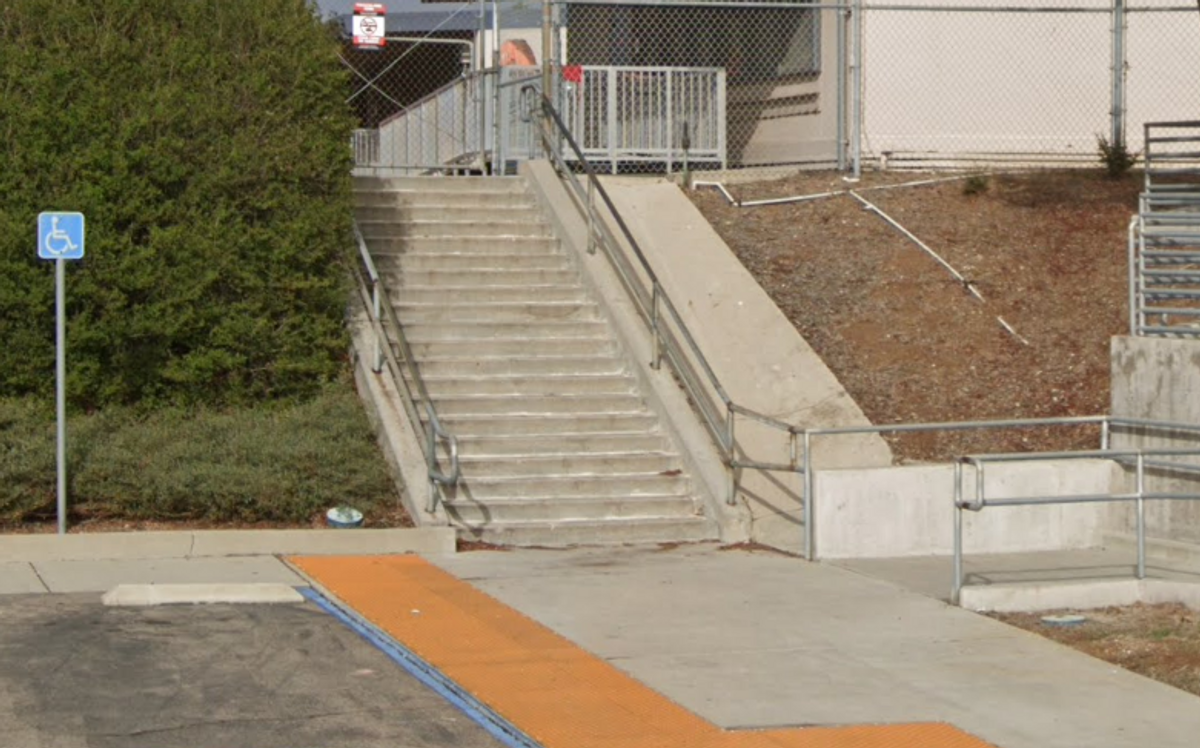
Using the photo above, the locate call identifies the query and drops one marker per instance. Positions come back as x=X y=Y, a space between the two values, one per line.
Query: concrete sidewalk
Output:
x=758 y=639
x=97 y=562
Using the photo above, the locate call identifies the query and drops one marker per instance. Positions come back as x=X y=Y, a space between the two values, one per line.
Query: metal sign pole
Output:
x=60 y=313
x=60 y=238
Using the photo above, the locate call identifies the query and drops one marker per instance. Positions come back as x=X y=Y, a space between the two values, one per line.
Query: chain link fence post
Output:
x=1117 y=127
x=856 y=88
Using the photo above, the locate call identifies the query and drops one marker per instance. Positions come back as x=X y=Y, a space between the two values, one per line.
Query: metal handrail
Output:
x=674 y=341
x=665 y=342
x=384 y=320
x=1138 y=496
x=1105 y=422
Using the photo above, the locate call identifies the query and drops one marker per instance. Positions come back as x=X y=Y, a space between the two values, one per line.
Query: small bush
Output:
x=1116 y=157
x=261 y=464
x=976 y=184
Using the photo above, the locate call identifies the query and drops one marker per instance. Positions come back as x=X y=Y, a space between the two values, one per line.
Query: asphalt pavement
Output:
x=77 y=674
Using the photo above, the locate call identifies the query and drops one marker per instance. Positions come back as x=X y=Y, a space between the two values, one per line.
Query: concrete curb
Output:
x=218 y=543
x=144 y=595
x=1029 y=598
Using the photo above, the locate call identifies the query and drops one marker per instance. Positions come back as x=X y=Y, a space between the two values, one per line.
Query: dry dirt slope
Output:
x=1046 y=251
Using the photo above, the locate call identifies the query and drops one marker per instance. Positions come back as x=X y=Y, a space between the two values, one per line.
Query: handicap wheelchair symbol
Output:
x=60 y=236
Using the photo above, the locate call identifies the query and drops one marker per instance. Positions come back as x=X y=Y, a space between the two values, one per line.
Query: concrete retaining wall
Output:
x=1159 y=379
x=908 y=511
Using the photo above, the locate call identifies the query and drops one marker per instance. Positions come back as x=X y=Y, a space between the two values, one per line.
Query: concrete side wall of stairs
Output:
x=557 y=442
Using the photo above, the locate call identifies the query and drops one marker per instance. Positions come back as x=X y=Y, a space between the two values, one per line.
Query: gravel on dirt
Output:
x=1158 y=641
x=910 y=341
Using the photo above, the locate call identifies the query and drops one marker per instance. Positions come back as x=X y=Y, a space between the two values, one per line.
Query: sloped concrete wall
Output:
x=761 y=360
x=909 y=510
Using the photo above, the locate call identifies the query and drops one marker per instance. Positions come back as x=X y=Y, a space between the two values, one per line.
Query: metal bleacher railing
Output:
x=1164 y=237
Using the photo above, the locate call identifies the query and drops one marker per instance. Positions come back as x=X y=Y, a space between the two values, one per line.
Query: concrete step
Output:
x=514 y=367
x=382 y=248
x=456 y=212
x=473 y=329
x=372 y=199
x=475 y=514
x=553 y=486
x=492 y=294
x=426 y=185
x=534 y=467
x=469 y=348
x=494 y=446
x=536 y=404
x=568 y=533
x=556 y=444
x=411 y=262
x=376 y=230
x=533 y=313
x=466 y=427
x=477 y=277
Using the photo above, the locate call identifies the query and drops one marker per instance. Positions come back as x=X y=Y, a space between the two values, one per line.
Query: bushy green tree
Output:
x=207 y=143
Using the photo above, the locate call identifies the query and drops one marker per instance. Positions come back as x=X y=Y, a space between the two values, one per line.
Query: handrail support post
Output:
x=656 y=356
x=377 y=367
x=809 y=499
x=591 y=216
x=1141 y=515
x=730 y=450
x=957 y=582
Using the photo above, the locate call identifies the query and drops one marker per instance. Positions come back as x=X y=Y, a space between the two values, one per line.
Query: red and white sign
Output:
x=368 y=25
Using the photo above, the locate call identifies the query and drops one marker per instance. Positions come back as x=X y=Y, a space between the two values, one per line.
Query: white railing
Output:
x=617 y=114
x=646 y=114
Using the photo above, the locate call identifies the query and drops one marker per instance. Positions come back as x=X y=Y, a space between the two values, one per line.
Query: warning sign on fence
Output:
x=368 y=25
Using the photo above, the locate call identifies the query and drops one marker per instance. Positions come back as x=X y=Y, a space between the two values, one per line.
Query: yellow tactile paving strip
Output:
x=553 y=691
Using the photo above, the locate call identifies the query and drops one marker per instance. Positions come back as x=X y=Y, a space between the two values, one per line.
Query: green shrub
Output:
x=281 y=463
x=27 y=459
x=976 y=184
x=1116 y=157
x=206 y=141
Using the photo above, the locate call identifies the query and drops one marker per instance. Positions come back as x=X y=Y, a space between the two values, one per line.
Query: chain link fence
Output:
x=662 y=85
x=443 y=94
x=989 y=83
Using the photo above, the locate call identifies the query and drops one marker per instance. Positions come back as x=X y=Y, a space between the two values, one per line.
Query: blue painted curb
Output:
x=498 y=727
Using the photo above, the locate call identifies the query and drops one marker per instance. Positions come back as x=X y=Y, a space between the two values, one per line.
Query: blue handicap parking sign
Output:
x=60 y=236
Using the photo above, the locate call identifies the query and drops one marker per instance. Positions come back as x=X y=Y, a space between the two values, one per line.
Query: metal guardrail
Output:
x=383 y=321
x=447 y=128
x=1139 y=496
x=627 y=114
x=808 y=435
x=618 y=114
x=1137 y=459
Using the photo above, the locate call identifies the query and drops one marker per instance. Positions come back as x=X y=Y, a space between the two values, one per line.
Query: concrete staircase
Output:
x=557 y=446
